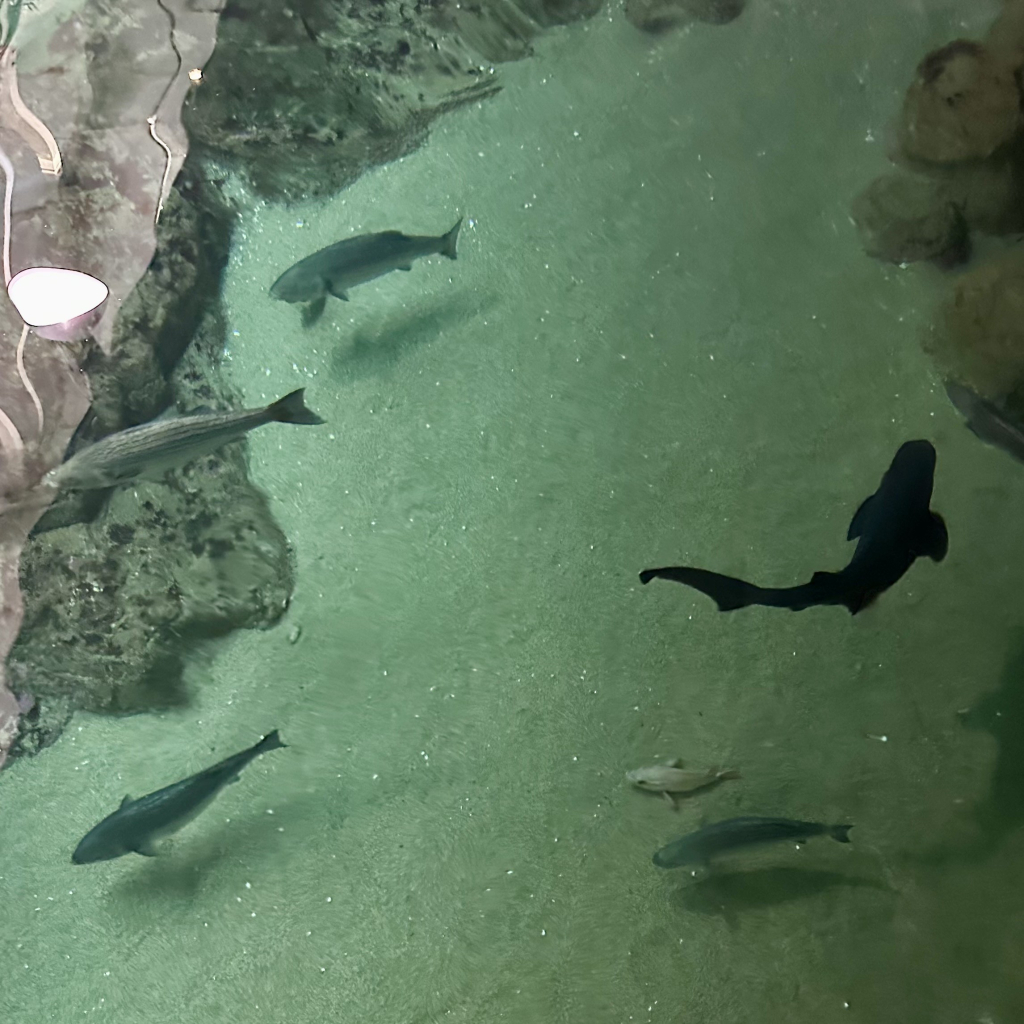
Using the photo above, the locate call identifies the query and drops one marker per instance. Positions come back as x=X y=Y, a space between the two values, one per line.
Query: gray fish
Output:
x=986 y=421
x=150 y=449
x=699 y=847
x=352 y=261
x=137 y=825
x=674 y=778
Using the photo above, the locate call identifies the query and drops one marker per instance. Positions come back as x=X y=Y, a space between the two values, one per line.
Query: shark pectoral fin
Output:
x=933 y=539
x=337 y=291
x=146 y=848
x=857 y=522
x=313 y=312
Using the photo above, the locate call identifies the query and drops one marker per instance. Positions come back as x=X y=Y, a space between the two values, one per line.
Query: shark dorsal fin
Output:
x=126 y=801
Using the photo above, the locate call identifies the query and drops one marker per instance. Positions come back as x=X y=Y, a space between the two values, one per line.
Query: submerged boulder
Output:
x=662 y=15
x=903 y=219
x=978 y=337
x=964 y=104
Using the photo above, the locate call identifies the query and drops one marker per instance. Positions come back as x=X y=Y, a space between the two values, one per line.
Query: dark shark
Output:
x=352 y=261
x=699 y=847
x=137 y=825
x=893 y=527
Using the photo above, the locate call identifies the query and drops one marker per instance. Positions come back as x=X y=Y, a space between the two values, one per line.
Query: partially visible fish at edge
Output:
x=987 y=421
x=150 y=449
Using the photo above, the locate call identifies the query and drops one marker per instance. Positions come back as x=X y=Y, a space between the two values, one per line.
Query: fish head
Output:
x=96 y=846
x=914 y=464
x=297 y=285
x=654 y=778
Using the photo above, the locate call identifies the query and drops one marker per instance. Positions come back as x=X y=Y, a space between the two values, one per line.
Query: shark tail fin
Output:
x=840 y=833
x=292 y=409
x=448 y=241
x=272 y=741
x=727 y=592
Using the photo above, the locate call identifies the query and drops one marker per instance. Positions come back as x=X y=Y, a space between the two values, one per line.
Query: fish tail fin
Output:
x=292 y=409
x=840 y=833
x=726 y=591
x=272 y=741
x=448 y=241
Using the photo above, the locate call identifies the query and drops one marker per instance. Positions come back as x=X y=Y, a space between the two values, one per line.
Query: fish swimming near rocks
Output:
x=987 y=421
x=893 y=528
x=673 y=778
x=697 y=848
x=150 y=449
x=137 y=825
x=352 y=261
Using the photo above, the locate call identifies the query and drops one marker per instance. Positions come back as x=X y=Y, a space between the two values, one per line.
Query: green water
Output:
x=661 y=343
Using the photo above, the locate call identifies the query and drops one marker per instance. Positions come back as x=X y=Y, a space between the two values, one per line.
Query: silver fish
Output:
x=673 y=778
x=150 y=449
x=137 y=825
x=352 y=261
x=699 y=847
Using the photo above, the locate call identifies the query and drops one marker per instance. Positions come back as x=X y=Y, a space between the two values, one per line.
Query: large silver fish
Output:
x=137 y=825
x=699 y=847
x=352 y=261
x=149 y=450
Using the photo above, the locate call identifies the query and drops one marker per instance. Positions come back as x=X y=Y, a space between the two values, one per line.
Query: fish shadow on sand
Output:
x=729 y=895
x=374 y=351
x=1000 y=812
x=186 y=862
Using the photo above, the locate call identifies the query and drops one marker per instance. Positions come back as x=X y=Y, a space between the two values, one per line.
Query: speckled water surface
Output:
x=661 y=343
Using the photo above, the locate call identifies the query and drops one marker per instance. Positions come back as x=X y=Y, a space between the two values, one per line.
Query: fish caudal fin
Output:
x=272 y=741
x=292 y=409
x=448 y=241
x=726 y=591
x=840 y=833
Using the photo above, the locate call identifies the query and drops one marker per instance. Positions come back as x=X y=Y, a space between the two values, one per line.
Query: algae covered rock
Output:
x=662 y=15
x=978 y=337
x=302 y=98
x=964 y=104
x=903 y=219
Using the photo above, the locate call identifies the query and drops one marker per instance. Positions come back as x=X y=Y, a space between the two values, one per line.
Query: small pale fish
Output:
x=352 y=261
x=137 y=825
x=697 y=848
x=673 y=778
x=149 y=450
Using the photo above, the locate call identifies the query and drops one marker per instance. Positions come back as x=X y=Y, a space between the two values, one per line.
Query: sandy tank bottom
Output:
x=660 y=343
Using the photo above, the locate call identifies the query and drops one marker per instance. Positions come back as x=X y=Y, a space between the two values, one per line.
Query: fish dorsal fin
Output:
x=676 y=762
x=933 y=539
x=126 y=801
x=202 y=410
x=857 y=522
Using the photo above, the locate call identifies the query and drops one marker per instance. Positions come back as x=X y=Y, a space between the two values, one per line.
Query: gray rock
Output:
x=303 y=98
